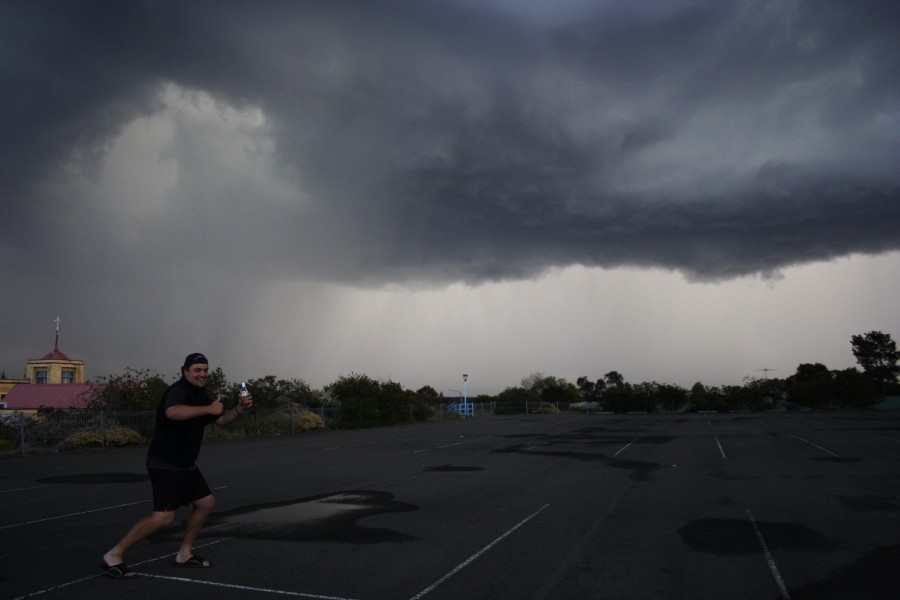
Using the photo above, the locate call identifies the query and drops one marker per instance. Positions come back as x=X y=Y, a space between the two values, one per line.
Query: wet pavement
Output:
x=771 y=505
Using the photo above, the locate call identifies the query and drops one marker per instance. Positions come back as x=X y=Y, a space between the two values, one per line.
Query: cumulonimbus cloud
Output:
x=450 y=141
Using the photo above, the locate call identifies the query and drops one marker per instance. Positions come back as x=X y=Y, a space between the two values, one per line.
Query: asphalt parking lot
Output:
x=763 y=505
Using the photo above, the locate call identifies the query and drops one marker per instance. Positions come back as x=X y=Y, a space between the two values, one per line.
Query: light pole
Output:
x=465 y=394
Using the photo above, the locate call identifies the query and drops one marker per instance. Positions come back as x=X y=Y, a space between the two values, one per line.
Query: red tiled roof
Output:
x=56 y=355
x=30 y=396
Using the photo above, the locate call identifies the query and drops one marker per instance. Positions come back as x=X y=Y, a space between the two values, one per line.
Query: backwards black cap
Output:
x=193 y=359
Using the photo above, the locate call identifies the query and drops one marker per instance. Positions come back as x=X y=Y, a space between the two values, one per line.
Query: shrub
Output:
x=543 y=408
x=122 y=436
x=7 y=446
x=115 y=436
x=309 y=421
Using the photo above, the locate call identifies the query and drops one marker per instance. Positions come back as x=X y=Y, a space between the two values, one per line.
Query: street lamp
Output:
x=465 y=394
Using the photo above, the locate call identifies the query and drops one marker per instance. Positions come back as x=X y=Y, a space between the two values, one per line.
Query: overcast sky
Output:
x=680 y=191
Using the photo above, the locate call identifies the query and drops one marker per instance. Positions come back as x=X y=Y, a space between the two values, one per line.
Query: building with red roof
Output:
x=52 y=381
x=29 y=397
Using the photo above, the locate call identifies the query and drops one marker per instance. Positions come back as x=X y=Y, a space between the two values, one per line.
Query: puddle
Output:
x=96 y=478
x=737 y=536
x=301 y=512
x=655 y=439
x=870 y=503
x=453 y=469
x=328 y=518
x=874 y=576
x=724 y=475
x=639 y=470
x=584 y=456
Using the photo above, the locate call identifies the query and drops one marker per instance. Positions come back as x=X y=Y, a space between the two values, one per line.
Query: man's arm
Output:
x=228 y=417
x=183 y=412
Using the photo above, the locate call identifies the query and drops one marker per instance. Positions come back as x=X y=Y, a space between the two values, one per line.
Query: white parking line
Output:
x=469 y=560
x=350 y=446
x=449 y=445
x=25 y=489
x=247 y=588
x=773 y=568
x=84 y=512
x=136 y=564
x=797 y=437
x=622 y=449
x=720 y=446
x=78 y=514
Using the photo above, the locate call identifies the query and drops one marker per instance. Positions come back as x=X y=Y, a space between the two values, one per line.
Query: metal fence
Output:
x=33 y=433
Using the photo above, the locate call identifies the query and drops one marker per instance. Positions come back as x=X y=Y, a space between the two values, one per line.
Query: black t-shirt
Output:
x=178 y=443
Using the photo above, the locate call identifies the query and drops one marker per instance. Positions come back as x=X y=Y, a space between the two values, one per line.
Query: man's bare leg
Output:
x=200 y=511
x=139 y=531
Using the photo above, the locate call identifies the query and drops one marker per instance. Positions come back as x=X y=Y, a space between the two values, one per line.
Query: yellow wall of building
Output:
x=7 y=384
x=55 y=370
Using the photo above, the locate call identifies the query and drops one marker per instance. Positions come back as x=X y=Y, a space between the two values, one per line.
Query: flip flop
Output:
x=194 y=562
x=119 y=571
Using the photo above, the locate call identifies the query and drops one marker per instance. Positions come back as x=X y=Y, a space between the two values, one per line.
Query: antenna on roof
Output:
x=56 y=344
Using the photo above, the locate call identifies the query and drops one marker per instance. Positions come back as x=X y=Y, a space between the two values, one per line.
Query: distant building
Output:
x=27 y=397
x=53 y=381
x=6 y=386
x=54 y=368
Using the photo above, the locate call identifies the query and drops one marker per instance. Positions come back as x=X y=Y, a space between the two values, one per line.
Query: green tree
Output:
x=217 y=384
x=591 y=391
x=758 y=393
x=708 y=398
x=877 y=354
x=669 y=397
x=621 y=399
x=271 y=392
x=551 y=389
x=428 y=394
x=366 y=402
x=812 y=386
x=614 y=379
x=515 y=400
x=133 y=390
x=853 y=389
x=356 y=395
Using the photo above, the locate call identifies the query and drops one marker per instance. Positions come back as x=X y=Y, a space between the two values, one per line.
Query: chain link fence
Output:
x=33 y=433
x=49 y=432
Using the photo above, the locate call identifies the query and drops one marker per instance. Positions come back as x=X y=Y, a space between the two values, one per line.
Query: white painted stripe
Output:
x=469 y=560
x=143 y=562
x=24 y=489
x=247 y=588
x=773 y=568
x=78 y=514
x=55 y=587
x=350 y=446
x=622 y=449
x=796 y=437
x=84 y=512
x=720 y=447
x=449 y=445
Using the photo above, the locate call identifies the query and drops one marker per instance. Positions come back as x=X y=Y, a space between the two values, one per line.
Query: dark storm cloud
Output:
x=448 y=141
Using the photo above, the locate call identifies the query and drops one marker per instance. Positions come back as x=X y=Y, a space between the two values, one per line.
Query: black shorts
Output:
x=173 y=488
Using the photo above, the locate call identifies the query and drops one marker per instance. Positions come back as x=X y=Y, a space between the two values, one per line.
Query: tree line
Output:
x=364 y=401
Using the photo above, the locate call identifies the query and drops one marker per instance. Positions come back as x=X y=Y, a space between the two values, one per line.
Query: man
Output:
x=181 y=417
